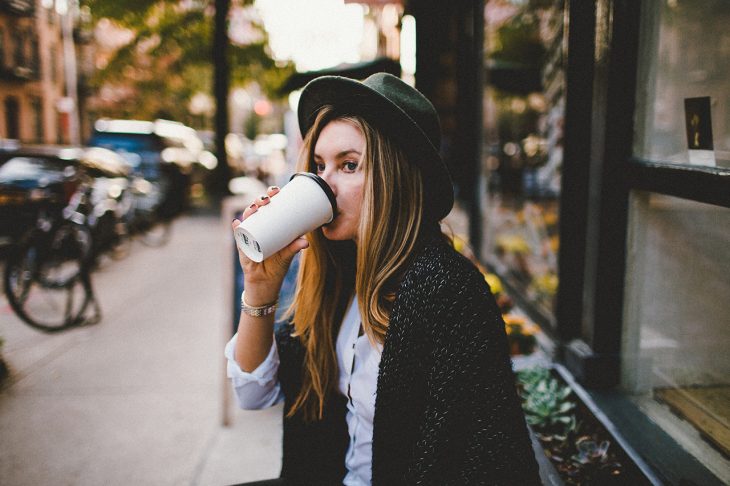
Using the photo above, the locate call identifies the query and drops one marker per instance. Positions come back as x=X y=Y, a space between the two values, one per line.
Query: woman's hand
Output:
x=263 y=281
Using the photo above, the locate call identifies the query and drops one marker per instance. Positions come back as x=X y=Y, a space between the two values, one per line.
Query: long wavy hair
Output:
x=332 y=271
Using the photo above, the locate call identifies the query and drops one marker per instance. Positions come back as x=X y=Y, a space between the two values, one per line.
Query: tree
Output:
x=170 y=58
x=179 y=48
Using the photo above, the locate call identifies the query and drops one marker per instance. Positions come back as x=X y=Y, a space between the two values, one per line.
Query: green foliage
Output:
x=170 y=58
x=518 y=41
x=579 y=450
x=595 y=463
x=129 y=13
x=591 y=452
x=546 y=402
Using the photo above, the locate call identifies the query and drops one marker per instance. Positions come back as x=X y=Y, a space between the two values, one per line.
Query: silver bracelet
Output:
x=259 y=311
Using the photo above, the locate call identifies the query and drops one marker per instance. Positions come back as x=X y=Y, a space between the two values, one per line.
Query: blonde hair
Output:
x=332 y=271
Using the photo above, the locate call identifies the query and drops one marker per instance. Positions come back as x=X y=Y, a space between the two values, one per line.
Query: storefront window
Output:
x=525 y=101
x=676 y=362
x=675 y=359
x=684 y=83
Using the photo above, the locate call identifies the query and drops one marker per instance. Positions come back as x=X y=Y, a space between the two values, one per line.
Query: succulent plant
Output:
x=594 y=461
x=530 y=377
x=589 y=451
x=577 y=449
x=546 y=402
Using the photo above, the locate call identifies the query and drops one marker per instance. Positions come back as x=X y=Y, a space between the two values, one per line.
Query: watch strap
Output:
x=258 y=311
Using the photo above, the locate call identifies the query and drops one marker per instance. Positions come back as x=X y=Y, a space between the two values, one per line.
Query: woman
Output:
x=393 y=368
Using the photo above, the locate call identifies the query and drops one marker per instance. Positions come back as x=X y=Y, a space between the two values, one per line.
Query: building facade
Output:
x=598 y=188
x=31 y=73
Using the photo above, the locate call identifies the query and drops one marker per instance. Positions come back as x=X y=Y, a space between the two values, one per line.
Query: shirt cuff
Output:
x=264 y=374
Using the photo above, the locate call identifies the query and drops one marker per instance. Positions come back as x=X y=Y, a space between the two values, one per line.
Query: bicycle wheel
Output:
x=33 y=287
x=66 y=255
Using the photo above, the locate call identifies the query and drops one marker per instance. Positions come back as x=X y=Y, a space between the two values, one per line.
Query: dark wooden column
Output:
x=595 y=358
x=576 y=156
x=469 y=125
x=449 y=71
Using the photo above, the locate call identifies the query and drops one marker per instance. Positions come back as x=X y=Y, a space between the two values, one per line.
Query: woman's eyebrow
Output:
x=348 y=152
x=341 y=154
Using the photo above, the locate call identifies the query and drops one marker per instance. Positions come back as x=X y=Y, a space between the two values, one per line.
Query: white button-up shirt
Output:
x=358 y=361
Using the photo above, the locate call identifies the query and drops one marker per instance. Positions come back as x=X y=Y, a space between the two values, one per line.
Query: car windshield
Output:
x=142 y=151
x=127 y=142
x=41 y=169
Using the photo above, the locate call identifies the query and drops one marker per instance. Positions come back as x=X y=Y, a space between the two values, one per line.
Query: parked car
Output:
x=36 y=178
x=165 y=152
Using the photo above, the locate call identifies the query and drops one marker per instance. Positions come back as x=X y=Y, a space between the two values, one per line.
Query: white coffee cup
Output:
x=304 y=204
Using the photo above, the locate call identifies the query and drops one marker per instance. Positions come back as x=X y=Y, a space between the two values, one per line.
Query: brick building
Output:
x=31 y=73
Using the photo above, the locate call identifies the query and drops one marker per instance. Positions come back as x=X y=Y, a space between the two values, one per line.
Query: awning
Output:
x=359 y=70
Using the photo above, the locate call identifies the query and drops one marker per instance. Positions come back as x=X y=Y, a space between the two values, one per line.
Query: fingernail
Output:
x=264 y=198
x=253 y=206
x=273 y=188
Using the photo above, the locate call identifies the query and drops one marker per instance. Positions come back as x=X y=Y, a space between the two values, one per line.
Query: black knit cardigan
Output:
x=446 y=410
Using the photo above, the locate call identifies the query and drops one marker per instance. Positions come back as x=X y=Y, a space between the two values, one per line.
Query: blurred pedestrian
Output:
x=394 y=367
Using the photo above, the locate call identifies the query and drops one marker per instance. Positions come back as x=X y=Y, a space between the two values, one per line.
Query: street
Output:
x=137 y=398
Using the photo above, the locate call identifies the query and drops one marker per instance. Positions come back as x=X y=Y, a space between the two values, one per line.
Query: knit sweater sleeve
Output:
x=472 y=430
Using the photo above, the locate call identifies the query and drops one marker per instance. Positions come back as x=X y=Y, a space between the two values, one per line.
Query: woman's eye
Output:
x=319 y=168
x=350 y=166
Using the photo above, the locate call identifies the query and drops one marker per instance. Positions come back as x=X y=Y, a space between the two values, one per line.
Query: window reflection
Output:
x=525 y=100
x=676 y=364
x=685 y=53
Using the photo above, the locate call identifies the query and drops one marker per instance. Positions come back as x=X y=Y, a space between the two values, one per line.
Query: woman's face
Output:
x=338 y=160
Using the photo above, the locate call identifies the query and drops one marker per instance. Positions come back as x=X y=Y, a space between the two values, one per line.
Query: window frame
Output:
x=592 y=342
x=709 y=185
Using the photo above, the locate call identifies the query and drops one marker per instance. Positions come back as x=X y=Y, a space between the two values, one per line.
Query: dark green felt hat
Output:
x=400 y=112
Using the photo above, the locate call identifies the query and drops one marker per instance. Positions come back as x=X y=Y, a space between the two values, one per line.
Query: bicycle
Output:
x=47 y=277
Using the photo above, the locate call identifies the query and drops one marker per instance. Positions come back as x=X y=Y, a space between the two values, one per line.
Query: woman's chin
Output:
x=336 y=233
x=331 y=234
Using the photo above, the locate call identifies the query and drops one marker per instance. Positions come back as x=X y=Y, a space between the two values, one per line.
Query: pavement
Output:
x=138 y=398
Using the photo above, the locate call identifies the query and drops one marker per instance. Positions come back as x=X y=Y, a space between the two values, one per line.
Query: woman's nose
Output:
x=329 y=178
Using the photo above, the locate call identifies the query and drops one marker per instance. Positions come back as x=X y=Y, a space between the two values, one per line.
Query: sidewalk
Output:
x=136 y=399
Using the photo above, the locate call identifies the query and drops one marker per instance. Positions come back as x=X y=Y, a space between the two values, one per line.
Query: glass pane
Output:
x=525 y=99
x=684 y=83
x=676 y=363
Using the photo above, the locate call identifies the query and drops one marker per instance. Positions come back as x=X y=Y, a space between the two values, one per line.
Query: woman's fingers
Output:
x=294 y=247
x=262 y=200
x=284 y=257
x=249 y=211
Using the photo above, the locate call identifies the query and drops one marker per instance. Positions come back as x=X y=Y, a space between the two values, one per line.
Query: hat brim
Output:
x=355 y=98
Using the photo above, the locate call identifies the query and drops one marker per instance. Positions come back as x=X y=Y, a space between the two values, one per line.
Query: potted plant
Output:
x=580 y=448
